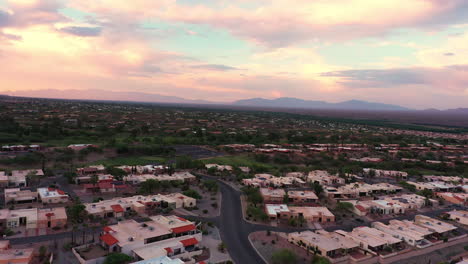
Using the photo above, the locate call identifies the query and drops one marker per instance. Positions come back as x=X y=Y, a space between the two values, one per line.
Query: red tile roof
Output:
x=105 y=185
x=189 y=242
x=360 y=208
x=117 y=208
x=107 y=229
x=183 y=229
x=169 y=250
x=181 y=219
x=109 y=239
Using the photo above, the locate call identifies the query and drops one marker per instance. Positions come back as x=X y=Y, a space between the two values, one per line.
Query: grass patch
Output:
x=131 y=161
x=237 y=161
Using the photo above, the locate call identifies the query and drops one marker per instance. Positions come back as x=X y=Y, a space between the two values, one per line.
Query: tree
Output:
x=319 y=260
x=344 y=206
x=116 y=172
x=42 y=252
x=253 y=195
x=318 y=189
x=150 y=186
x=117 y=258
x=283 y=256
x=76 y=213
x=192 y=193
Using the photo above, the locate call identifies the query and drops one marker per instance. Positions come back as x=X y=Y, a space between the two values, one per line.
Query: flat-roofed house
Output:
x=117 y=207
x=455 y=198
x=413 y=236
x=440 y=228
x=18 y=178
x=18 y=196
x=302 y=197
x=309 y=214
x=170 y=236
x=459 y=216
x=52 y=195
x=51 y=217
x=328 y=245
x=324 y=178
x=271 y=195
x=373 y=240
x=3 y=179
x=9 y=255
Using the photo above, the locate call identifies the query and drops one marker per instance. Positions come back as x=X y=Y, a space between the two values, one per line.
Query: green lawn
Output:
x=139 y=160
x=237 y=161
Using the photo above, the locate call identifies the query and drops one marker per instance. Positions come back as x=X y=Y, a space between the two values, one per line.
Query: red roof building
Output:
x=189 y=242
x=109 y=239
x=183 y=229
x=117 y=208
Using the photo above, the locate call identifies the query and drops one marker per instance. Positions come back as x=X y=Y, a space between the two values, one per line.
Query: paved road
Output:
x=233 y=228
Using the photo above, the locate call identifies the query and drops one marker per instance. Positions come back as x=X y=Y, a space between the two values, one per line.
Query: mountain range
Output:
x=283 y=102
x=287 y=102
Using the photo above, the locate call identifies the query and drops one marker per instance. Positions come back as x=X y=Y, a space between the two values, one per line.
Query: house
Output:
x=330 y=245
x=440 y=228
x=183 y=176
x=386 y=173
x=118 y=207
x=367 y=159
x=170 y=236
x=324 y=178
x=455 y=198
x=51 y=217
x=219 y=167
x=302 y=197
x=412 y=234
x=18 y=196
x=447 y=179
x=78 y=147
x=435 y=186
x=160 y=260
x=33 y=218
x=268 y=180
x=381 y=207
x=309 y=214
x=91 y=170
x=87 y=178
x=373 y=240
x=271 y=195
x=459 y=216
x=15 y=255
x=359 y=189
x=18 y=178
x=52 y=195
x=3 y=179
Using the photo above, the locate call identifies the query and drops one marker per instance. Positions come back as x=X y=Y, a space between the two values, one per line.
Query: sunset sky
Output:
x=412 y=53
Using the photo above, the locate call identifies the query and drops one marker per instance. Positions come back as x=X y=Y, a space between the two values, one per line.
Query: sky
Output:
x=412 y=53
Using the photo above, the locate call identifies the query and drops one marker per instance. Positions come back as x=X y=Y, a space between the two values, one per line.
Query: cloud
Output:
x=448 y=80
x=214 y=67
x=82 y=31
x=449 y=54
x=283 y=23
x=383 y=78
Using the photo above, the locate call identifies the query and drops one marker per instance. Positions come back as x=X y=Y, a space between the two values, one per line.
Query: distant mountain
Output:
x=106 y=95
x=458 y=110
x=286 y=102
x=283 y=102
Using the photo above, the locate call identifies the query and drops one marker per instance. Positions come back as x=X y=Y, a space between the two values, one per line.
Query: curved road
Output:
x=234 y=229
